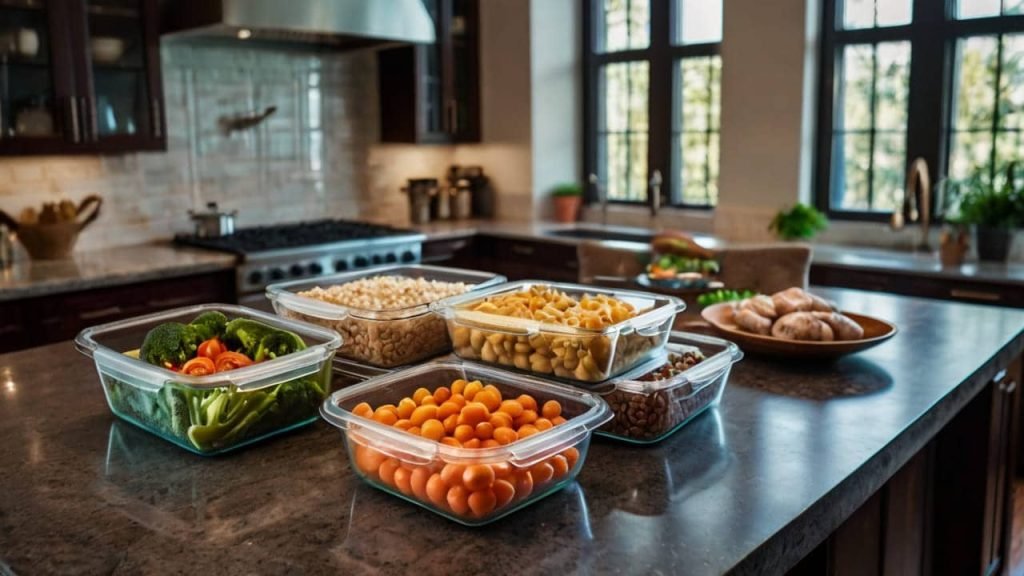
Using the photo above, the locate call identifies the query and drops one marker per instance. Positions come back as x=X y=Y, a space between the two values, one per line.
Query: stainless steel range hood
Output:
x=337 y=24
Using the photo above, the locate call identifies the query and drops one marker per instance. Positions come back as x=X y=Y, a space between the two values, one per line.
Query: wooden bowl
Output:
x=875 y=332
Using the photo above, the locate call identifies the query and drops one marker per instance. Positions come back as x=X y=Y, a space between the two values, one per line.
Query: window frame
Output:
x=933 y=34
x=661 y=55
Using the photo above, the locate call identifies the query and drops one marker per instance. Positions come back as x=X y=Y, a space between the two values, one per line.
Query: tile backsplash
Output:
x=307 y=160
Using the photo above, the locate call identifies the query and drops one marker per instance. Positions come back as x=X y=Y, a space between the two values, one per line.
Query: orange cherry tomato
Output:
x=199 y=366
x=211 y=348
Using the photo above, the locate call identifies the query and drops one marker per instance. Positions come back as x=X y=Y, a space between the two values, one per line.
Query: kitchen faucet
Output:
x=655 y=191
x=602 y=197
x=917 y=192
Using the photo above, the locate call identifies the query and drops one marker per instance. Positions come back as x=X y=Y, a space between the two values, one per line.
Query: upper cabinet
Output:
x=431 y=94
x=80 y=76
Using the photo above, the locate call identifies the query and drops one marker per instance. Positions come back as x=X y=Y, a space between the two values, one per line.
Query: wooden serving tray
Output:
x=876 y=331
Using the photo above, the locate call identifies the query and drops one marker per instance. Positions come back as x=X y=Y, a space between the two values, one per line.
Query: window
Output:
x=653 y=80
x=903 y=79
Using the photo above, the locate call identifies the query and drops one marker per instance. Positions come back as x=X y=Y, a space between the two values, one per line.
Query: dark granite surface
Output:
x=793 y=449
x=107 y=267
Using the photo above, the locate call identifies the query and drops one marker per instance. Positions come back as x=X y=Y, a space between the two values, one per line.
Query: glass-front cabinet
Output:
x=431 y=93
x=80 y=76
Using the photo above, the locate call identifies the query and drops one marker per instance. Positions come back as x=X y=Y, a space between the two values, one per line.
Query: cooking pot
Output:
x=213 y=223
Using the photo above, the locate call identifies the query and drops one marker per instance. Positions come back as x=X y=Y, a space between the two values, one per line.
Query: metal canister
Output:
x=420 y=191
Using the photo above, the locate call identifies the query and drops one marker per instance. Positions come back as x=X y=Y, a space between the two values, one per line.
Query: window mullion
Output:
x=995 y=109
x=659 y=111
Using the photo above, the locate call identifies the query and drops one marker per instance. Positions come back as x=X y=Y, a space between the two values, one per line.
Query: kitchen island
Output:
x=790 y=472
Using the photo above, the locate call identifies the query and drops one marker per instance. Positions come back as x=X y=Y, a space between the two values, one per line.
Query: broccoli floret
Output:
x=260 y=341
x=171 y=343
x=209 y=324
x=278 y=343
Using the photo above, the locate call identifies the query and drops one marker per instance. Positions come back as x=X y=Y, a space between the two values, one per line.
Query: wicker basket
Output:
x=55 y=241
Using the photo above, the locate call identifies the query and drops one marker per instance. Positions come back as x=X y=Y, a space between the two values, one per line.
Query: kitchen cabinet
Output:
x=430 y=94
x=46 y=319
x=517 y=259
x=80 y=77
x=909 y=284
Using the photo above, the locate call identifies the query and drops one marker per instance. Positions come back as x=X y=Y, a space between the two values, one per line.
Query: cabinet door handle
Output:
x=975 y=295
x=1008 y=387
x=101 y=313
x=90 y=109
x=76 y=134
x=453 y=117
x=520 y=250
x=158 y=128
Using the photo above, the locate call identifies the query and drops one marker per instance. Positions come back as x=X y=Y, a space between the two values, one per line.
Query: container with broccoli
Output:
x=212 y=378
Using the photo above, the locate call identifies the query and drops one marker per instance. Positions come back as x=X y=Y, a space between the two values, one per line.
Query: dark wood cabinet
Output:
x=430 y=94
x=909 y=284
x=949 y=510
x=80 y=77
x=514 y=258
x=46 y=319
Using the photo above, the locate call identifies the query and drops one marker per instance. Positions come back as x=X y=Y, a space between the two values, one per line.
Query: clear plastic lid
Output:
x=287 y=293
x=719 y=355
x=588 y=413
x=652 y=310
x=107 y=344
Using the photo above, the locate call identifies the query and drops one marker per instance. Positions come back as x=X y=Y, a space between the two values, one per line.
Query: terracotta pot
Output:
x=55 y=241
x=993 y=243
x=566 y=208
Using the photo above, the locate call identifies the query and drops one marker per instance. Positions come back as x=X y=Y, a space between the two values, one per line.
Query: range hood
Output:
x=337 y=24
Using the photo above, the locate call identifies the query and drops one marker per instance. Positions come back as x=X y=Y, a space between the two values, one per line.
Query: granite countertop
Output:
x=107 y=267
x=750 y=488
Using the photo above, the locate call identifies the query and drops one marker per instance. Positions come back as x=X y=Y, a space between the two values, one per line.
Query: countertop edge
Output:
x=784 y=549
x=66 y=285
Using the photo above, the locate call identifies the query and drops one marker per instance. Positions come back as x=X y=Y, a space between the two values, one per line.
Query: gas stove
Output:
x=271 y=254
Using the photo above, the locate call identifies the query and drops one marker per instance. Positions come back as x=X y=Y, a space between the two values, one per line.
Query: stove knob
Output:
x=390 y=258
x=256 y=277
x=408 y=256
x=340 y=265
x=315 y=268
x=276 y=274
x=296 y=270
x=361 y=262
x=377 y=259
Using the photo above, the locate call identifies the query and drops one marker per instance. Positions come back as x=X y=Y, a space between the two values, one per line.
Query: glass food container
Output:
x=384 y=338
x=551 y=349
x=449 y=479
x=649 y=410
x=218 y=412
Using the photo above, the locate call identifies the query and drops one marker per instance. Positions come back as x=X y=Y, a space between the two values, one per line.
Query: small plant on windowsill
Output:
x=994 y=207
x=801 y=222
x=567 y=198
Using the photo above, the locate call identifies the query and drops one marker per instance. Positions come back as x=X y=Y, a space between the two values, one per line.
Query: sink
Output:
x=639 y=236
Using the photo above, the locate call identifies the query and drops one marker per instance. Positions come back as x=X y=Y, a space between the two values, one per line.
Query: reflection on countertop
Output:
x=749 y=487
x=107 y=267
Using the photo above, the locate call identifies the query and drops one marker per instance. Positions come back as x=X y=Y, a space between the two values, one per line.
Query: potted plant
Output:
x=567 y=198
x=995 y=208
x=801 y=222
